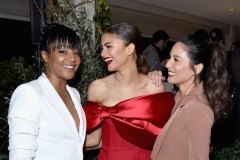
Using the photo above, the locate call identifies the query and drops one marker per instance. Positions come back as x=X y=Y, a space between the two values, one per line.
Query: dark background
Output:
x=16 y=40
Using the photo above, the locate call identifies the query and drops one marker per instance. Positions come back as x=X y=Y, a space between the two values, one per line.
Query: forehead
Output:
x=60 y=44
x=108 y=36
x=179 y=49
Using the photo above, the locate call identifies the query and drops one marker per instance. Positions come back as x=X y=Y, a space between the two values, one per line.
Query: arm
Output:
x=94 y=148
x=23 y=120
x=199 y=123
x=93 y=140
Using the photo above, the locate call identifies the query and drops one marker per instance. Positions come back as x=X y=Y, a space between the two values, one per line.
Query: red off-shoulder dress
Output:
x=129 y=128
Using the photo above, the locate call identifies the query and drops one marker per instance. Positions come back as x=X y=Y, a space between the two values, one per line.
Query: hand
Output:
x=156 y=77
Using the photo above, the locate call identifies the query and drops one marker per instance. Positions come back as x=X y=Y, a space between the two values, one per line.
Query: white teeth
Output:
x=172 y=73
x=108 y=59
x=68 y=66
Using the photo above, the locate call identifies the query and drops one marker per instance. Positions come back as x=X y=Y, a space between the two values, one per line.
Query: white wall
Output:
x=151 y=18
x=15 y=9
x=148 y=18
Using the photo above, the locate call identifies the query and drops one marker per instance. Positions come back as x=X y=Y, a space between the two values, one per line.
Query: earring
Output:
x=43 y=70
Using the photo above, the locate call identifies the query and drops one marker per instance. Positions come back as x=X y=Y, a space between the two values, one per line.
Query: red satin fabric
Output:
x=115 y=147
x=138 y=120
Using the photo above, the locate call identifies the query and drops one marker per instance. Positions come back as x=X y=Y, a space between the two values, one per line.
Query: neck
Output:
x=59 y=85
x=158 y=46
x=184 y=90
x=127 y=78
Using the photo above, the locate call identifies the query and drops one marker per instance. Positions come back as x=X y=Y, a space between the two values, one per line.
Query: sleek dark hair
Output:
x=214 y=75
x=158 y=35
x=55 y=36
x=216 y=35
x=202 y=34
x=130 y=33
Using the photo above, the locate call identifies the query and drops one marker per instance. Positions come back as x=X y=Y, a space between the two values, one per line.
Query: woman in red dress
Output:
x=125 y=110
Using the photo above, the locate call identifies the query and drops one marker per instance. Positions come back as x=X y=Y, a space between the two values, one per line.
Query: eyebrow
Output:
x=175 y=56
x=107 y=43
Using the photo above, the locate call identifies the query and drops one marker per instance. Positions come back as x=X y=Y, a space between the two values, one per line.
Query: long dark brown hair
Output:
x=214 y=74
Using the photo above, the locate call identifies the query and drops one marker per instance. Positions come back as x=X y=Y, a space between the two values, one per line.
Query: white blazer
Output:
x=40 y=125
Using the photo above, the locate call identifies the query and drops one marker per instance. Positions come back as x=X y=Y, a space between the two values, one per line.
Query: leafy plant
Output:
x=102 y=18
x=229 y=153
x=74 y=15
x=13 y=73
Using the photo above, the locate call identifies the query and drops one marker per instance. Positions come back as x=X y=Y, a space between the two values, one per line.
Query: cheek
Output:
x=186 y=73
x=182 y=70
x=78 y=60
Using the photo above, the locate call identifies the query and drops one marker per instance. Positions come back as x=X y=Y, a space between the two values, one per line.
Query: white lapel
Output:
x=81 y=114
x=58 y=105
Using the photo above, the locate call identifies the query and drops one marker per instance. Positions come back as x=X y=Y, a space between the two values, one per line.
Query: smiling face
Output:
x=179 y=71
x=62 y=63
x=114 y=51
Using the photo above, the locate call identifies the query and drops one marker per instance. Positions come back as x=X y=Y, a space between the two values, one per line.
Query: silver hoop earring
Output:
x=43 y=69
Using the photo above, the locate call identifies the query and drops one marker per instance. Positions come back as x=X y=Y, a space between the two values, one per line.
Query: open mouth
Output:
x=69 y=67
x=108 y=60
x=171 y=74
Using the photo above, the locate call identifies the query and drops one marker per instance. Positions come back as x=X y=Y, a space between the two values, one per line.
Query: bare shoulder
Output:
x=94 y=89
x=97 y=88
x=152 y=87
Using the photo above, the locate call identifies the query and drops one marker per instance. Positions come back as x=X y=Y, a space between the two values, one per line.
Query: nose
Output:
x=168 y=63
x=103 y=53
x=71 y=56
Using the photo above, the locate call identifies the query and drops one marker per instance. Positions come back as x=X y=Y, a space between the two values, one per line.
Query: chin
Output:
x=171 y=80
x=69 y=77
x=110 y=70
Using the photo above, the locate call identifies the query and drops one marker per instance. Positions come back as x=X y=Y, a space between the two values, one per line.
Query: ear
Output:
x=44 y=56
x=131 y=48
x=198 y=68
x=161 y=42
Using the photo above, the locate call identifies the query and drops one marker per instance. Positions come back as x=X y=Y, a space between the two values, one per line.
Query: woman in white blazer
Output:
x=46 y=119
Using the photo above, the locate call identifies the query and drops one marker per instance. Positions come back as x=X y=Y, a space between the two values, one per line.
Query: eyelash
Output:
x=63 y=52
x=105 y=47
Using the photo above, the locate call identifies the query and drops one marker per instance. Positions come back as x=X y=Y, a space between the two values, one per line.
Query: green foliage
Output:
x=3 y=157
x=102 y=18
x=229 y=153
x=13 y=73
